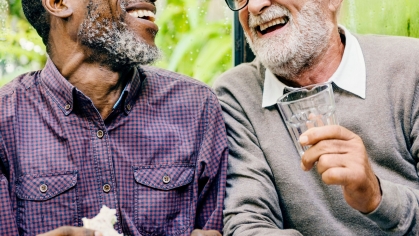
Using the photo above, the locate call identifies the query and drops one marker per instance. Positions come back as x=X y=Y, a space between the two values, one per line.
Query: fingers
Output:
x=317 y=134
x=342 y=159
x=324 y=149
x=314 y=121
x=328 y=161
x=71 y=231
x=199 y=232
x=330 y=139
x=337 y=176
x=336 y=169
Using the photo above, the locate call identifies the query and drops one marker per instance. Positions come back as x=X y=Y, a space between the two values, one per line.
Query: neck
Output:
x=322 y=67
x=98 y=82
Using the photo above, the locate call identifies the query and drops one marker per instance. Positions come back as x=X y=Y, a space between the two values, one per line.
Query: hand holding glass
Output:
x=307 y=107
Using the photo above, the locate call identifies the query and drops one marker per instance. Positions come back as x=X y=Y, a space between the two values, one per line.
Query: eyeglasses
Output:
x=236 y=5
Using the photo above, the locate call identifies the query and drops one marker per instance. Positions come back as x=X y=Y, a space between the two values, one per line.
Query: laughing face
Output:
x=121 y=34
x=286 y=37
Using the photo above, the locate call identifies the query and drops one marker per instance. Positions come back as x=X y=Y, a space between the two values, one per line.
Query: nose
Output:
x=256 y=7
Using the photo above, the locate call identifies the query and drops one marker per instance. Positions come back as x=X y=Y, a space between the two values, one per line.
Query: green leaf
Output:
x=208 y=64
x=192 y=41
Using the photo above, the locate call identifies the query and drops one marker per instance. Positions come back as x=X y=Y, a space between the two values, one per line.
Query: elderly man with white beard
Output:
x=357 y=178
x=97 y=127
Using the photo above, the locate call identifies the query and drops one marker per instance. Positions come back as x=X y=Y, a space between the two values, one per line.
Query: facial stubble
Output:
x=290 y=53
x=112 y=43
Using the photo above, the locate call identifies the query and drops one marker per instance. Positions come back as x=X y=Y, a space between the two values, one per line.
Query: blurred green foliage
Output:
x=389 y=17
x=191 y=44
x=22 y=49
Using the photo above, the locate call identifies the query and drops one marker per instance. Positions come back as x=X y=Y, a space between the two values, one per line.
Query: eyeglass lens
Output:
x=236 y=5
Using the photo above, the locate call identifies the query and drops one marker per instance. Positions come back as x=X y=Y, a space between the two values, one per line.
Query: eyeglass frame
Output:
x=247 y=2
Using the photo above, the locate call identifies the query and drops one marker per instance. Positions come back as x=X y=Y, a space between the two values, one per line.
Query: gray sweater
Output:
x=269 y=194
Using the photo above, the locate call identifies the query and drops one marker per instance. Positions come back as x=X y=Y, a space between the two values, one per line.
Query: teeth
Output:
x=143 y=13
x=272 y=23
x=134 y=14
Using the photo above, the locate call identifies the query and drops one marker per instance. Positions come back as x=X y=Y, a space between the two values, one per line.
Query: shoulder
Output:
x=13 y=93
x=392 y=68
x=177 y=92
x=376 y=40
x=241 y=83
x=241 y=75
x=391 y=58
x=161 y=78
x=19 y=84
x=389 y=47
x=167 y=76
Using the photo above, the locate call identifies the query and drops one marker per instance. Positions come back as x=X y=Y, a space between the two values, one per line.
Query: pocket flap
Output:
x=164 y=177
x=43 y=186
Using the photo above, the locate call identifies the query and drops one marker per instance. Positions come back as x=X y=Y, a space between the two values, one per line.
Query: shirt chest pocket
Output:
x=163 y=199
x=46 y=201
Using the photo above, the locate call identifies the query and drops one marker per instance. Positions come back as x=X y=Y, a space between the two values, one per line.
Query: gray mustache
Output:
x=269 y=14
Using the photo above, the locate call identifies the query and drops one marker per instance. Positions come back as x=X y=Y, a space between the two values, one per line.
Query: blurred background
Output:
x=196 y=36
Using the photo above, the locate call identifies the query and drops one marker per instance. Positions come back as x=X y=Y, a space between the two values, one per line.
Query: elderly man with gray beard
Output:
x=97 y=126
x=359 y=177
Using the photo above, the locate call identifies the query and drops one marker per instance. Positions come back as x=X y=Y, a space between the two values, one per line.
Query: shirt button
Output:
x=128 y=107
x=99 y=134
x=43 y=188
x=67 y=107
x=166 y=179
x=106 y=188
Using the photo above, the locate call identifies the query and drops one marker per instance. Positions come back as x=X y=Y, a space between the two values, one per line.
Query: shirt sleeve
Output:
x=252 y=203
x=212 y=168
x=8 y=224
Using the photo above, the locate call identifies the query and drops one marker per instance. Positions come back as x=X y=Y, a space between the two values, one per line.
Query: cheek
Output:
x=75 y=26
x=244 y=21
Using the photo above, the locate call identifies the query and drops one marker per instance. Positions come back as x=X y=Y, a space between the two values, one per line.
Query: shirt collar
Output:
x=57 y=87
x=63 y=92
x=124 y=92
x=350 y=75
x=131 y=90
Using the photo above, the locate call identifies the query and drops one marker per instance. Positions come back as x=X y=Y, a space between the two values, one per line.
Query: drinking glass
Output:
x=307 y=107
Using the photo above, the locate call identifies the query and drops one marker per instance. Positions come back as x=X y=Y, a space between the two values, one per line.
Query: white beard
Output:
x=288 y=54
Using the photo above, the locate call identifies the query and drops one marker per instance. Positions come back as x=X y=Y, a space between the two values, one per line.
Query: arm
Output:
x=252 y=202
x=342 y=160
x=8 y=224
x=212 y=167
x=7 y=219
x=71 y=231
x=398 y=211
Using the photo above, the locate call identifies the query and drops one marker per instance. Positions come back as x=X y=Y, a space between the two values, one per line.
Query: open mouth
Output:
x=143 y=14
x=272 y=25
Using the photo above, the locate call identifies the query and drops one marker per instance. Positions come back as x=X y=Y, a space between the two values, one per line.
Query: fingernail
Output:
x=303 y=139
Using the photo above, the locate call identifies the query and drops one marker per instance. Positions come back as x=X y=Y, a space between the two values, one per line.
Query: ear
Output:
x=58 y=8
x=334 y=5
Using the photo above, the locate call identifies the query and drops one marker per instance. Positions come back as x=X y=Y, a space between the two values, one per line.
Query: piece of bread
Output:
x=103 y=222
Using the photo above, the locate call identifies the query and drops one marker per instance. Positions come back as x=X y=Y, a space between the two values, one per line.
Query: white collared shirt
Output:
x=350 y=75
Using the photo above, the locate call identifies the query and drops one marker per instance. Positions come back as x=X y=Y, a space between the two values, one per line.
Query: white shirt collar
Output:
x=350 y=75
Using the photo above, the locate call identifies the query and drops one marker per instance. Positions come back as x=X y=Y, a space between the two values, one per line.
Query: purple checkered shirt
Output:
x=159 y=159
